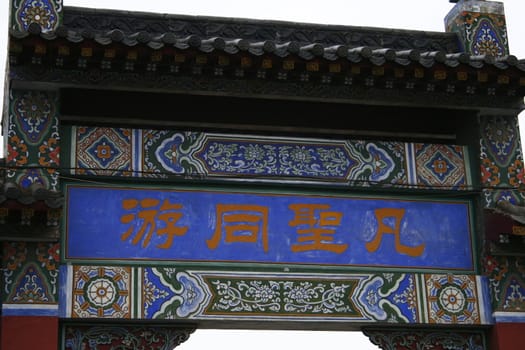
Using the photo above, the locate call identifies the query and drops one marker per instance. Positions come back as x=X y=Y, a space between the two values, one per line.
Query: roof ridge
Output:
x=100 y=20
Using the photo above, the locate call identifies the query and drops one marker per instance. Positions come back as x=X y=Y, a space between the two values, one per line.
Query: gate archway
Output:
x=296 y=202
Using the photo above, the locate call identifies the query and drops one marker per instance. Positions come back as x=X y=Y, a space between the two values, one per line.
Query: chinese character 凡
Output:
x=395 y=229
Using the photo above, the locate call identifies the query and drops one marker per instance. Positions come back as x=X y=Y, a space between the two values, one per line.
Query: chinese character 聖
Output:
x=316 y=232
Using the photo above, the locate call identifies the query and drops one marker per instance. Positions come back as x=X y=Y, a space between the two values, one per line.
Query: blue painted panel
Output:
x=29 y=310
x=106 y=223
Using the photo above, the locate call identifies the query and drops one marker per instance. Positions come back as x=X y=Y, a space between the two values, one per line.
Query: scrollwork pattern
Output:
x=282 y=297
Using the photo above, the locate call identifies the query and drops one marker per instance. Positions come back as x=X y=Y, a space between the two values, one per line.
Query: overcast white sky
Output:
x=403 y=14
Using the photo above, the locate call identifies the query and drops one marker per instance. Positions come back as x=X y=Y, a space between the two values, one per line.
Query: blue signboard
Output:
x=187 y=225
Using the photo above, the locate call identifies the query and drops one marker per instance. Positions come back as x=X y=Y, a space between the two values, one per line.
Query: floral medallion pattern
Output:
x=171 y=154
x=45 y=13
x=452 y=299
x=33 y=114
x=440 y=166
x=33 y=142
x=30 y=273
x=486 y=40
x=502 y=170
x=101 y=292
x=103 y=151
x=500 y=137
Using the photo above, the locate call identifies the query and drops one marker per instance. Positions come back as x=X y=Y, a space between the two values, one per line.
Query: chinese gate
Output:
x=332 y=186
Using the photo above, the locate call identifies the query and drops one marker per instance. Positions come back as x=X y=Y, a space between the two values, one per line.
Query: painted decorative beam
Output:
x=355 y=300
x=165 y=154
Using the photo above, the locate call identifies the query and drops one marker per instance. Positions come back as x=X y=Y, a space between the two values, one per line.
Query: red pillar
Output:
x=29 y=332
x=507 y=336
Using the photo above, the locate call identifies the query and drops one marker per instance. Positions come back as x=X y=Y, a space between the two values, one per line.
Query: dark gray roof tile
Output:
x=131 y=23
x=257 y=37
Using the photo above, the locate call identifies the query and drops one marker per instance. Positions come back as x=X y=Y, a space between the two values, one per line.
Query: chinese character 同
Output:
x=395 y=229
x=241 y=223
x=149 y=212
x=317 y=233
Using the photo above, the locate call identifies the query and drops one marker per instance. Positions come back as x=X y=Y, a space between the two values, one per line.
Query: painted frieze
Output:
x=30 y=278
x=167 y=293
x=33 y=141
x=196 y=155
x=502 y=170
x=266 y=158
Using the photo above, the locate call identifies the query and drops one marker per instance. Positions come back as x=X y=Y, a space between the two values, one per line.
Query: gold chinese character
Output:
x=241 y=223
x=149 y=213
x=383 y=228
x=318 y=234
